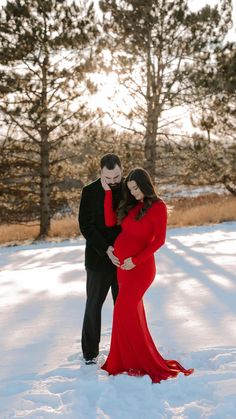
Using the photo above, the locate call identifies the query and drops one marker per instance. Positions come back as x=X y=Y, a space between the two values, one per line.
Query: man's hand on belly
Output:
x=112 y=257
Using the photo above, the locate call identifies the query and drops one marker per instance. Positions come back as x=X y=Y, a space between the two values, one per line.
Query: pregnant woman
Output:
x=143 y=218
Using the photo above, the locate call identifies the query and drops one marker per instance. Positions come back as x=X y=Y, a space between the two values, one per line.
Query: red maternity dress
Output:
x=132 y=348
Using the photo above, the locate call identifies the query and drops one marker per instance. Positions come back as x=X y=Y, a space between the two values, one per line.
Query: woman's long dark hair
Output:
x=144 y=183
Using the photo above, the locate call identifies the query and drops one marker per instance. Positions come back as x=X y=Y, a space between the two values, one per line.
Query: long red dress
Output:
x=132 y=348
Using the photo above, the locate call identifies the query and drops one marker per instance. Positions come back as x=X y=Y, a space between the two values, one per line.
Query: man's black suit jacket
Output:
x=92 y=226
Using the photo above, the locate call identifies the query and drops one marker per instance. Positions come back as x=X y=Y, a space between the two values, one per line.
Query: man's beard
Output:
x=115 y=185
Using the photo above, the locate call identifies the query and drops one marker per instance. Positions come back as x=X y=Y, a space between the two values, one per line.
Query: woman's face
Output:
x=134 y=190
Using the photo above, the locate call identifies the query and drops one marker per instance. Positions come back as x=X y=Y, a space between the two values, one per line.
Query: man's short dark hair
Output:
x=110 y=161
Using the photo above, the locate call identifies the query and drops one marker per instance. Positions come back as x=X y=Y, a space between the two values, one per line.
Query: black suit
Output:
x=101 y=273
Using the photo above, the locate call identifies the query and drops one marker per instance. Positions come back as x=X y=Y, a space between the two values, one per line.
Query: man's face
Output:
x=112 y=177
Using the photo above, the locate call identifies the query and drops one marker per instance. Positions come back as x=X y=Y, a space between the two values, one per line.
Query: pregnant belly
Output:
x=125 y=246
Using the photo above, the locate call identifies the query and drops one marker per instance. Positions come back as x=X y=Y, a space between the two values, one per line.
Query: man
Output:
x=100 y=262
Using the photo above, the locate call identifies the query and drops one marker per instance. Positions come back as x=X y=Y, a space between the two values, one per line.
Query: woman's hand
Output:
x=105 y=185
x=128 y=264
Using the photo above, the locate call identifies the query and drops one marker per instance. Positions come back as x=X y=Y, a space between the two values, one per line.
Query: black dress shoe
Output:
x=90 y=361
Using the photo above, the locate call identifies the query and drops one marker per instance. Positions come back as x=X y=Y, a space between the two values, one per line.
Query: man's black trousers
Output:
x=97 y=287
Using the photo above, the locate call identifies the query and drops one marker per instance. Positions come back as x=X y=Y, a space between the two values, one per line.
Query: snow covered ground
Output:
x=191 y=310
x=174 y=190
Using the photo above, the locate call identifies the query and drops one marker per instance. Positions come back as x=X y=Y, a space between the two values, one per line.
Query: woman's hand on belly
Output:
x=128 y=264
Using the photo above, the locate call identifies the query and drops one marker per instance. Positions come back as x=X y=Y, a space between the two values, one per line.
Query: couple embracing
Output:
x=124 y=224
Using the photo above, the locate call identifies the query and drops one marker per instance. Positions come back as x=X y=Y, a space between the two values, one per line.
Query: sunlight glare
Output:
x=111 y=95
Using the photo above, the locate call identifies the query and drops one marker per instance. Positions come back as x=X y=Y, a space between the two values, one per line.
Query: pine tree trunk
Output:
x=150 y=154
x=45 y=216
x=152 y=118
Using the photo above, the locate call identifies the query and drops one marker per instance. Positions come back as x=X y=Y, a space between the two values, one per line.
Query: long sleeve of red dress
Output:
x=158 y=217
x=109 y=213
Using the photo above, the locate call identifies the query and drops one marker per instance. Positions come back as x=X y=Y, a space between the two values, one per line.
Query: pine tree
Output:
x=47 y=50
x=214 y=86
x=152 y=42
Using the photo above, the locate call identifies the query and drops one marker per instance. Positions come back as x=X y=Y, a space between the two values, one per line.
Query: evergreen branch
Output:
x=22 y=127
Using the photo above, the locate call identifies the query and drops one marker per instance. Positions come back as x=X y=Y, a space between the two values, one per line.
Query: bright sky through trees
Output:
x=112 y=96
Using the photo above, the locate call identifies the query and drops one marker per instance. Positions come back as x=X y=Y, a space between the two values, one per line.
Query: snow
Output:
x=173 y=190
x=191 y=313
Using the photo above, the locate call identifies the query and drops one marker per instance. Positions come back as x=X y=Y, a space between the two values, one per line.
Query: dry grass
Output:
x=211 y=209
x=60 y=229
x=64 y=228
x=202 y=210
x=13 y=233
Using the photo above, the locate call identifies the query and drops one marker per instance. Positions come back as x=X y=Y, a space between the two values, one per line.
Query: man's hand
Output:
x=128 y=264
x=112 y=257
